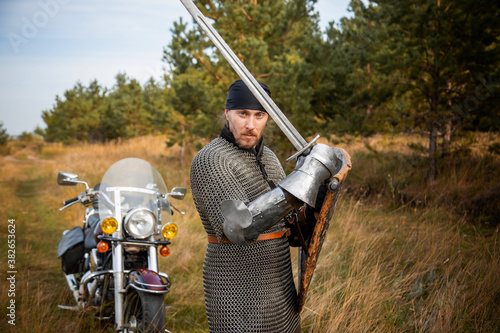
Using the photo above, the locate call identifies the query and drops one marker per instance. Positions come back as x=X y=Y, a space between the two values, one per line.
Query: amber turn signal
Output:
x=169 y=230
x=102 y=247
x=164 y=251
x=109 y=225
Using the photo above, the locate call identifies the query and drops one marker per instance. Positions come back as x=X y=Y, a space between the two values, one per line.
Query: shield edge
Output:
x=308 y=258
x=307 y=263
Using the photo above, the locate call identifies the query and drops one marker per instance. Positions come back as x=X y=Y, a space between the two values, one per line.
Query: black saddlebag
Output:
x=71 y=250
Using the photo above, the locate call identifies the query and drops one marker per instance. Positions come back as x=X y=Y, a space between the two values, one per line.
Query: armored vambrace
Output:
x=244 y=223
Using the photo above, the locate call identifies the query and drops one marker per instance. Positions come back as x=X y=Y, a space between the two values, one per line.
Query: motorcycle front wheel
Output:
x=144 y=312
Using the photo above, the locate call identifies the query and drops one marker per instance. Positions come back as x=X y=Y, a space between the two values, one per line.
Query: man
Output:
x=248 y=288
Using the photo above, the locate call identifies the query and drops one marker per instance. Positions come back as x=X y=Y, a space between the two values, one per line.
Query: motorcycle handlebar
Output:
x=67 y=202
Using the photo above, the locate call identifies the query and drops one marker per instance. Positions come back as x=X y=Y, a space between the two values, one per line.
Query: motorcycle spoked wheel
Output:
x=144 y=312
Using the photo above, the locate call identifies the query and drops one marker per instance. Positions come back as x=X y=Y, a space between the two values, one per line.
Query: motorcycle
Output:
x=111 y=262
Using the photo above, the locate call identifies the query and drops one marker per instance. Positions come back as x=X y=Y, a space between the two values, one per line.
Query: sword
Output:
x=307 y=256
x=272 y=109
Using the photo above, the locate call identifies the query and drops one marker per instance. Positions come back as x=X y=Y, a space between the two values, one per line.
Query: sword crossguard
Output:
x=304 y=150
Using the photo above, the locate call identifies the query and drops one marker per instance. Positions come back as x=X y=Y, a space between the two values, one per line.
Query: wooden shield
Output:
x=309 y=256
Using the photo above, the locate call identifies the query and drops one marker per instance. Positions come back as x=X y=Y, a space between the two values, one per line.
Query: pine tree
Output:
x=418 y=61
x=123 y=114
x=272 y=38
x=75 y=117
x=4 y=137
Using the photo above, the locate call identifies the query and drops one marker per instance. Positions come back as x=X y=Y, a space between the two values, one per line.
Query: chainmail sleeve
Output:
x=248 y=288
x=221 y=172
x=211 y=173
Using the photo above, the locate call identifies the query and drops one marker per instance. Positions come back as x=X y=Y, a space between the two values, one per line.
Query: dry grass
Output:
x=389 y=264
x=418 y=272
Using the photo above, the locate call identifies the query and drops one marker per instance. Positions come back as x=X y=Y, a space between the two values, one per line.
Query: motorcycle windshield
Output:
x=132 y=183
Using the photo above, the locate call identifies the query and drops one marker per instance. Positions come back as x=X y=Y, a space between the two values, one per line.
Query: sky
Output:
x=47 y=46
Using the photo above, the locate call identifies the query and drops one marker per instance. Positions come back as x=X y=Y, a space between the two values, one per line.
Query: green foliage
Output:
x=97 y=114
x=75 y=116
x=123 y=114
x=26 y=137
x=4 y=136
x=438 y=52
x=394 y=66
x=422 y=66
x=275 y=40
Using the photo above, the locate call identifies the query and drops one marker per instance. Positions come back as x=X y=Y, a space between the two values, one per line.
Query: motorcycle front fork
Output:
x=119 y=279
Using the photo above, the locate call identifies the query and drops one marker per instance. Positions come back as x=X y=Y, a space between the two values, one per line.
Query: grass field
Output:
x=398 y=257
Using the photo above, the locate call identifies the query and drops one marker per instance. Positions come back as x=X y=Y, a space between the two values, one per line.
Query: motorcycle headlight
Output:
x=140 y=223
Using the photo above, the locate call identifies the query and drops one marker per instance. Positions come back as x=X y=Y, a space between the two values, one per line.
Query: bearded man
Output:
x=248 y=287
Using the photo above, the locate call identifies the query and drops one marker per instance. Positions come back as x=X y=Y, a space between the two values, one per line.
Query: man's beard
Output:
x=247 y=143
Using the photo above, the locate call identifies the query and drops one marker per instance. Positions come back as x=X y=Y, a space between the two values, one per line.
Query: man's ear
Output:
x=226 y=123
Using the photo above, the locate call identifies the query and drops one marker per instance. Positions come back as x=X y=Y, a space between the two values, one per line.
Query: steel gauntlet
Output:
x=243 y=223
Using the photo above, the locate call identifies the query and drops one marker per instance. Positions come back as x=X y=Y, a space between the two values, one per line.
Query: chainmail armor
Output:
x=248 y=288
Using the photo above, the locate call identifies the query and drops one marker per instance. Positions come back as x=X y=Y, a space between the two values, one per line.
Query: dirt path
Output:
x=30 y=157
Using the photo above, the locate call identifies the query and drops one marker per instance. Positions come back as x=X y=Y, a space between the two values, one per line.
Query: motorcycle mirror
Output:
x=178 y=193
x=67 y=178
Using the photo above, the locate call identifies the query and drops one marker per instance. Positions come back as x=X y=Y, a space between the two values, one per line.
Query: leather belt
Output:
x=271 y=235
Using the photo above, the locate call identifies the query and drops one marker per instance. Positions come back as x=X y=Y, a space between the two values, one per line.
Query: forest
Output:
x=423 y=67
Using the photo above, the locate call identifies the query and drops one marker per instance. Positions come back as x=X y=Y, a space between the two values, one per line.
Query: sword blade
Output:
x=272 y=109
